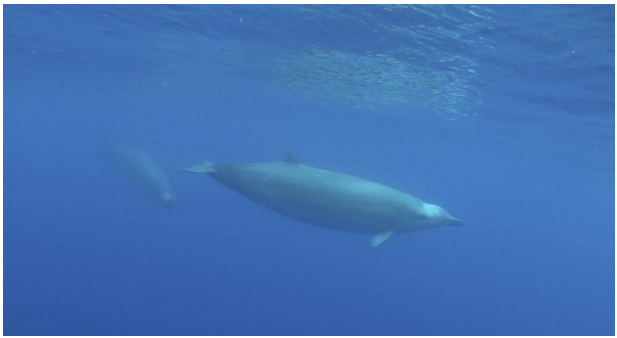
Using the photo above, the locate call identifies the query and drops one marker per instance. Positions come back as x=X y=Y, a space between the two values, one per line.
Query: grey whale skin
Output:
x=329 y=199
x=146 y=175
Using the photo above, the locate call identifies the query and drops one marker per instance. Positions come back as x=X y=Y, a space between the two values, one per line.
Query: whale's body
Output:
x=329 y=199
x=146 y=175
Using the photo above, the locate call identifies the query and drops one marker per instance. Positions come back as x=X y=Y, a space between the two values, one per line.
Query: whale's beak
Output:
x=456 y=221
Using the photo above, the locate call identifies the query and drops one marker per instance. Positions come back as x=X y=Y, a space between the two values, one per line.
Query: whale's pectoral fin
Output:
x=203 y=168
x=382 y=237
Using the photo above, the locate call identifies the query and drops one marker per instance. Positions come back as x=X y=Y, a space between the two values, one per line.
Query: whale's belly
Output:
x=320 y=197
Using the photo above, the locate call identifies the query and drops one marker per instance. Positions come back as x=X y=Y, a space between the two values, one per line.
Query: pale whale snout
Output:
x=455 y=221
x=437 y=214
x=168 y=199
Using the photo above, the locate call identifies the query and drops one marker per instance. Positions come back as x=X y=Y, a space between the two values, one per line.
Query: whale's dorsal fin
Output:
x=382 y=237
x=291 y=158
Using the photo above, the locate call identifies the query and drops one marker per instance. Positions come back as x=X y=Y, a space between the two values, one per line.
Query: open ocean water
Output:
x=503 y=115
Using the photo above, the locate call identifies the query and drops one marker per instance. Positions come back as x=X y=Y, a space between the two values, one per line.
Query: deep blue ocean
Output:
x=503 y=115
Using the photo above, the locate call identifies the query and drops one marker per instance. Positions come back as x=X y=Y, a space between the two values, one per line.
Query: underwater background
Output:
x=503 y=115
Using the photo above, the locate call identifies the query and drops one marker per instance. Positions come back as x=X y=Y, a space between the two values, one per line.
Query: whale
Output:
x=329 y=199
x=143 y=172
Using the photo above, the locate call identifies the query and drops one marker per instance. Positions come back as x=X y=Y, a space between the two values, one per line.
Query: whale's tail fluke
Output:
x=203 y=168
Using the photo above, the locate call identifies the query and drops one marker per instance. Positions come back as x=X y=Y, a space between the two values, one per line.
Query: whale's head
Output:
x=168 y=199
x=435 y=214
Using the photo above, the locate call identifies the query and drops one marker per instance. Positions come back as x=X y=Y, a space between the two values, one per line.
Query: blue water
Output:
x=504 y=115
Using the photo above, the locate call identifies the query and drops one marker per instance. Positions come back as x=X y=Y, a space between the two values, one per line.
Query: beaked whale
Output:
x=148 y=177
x=329 y=199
